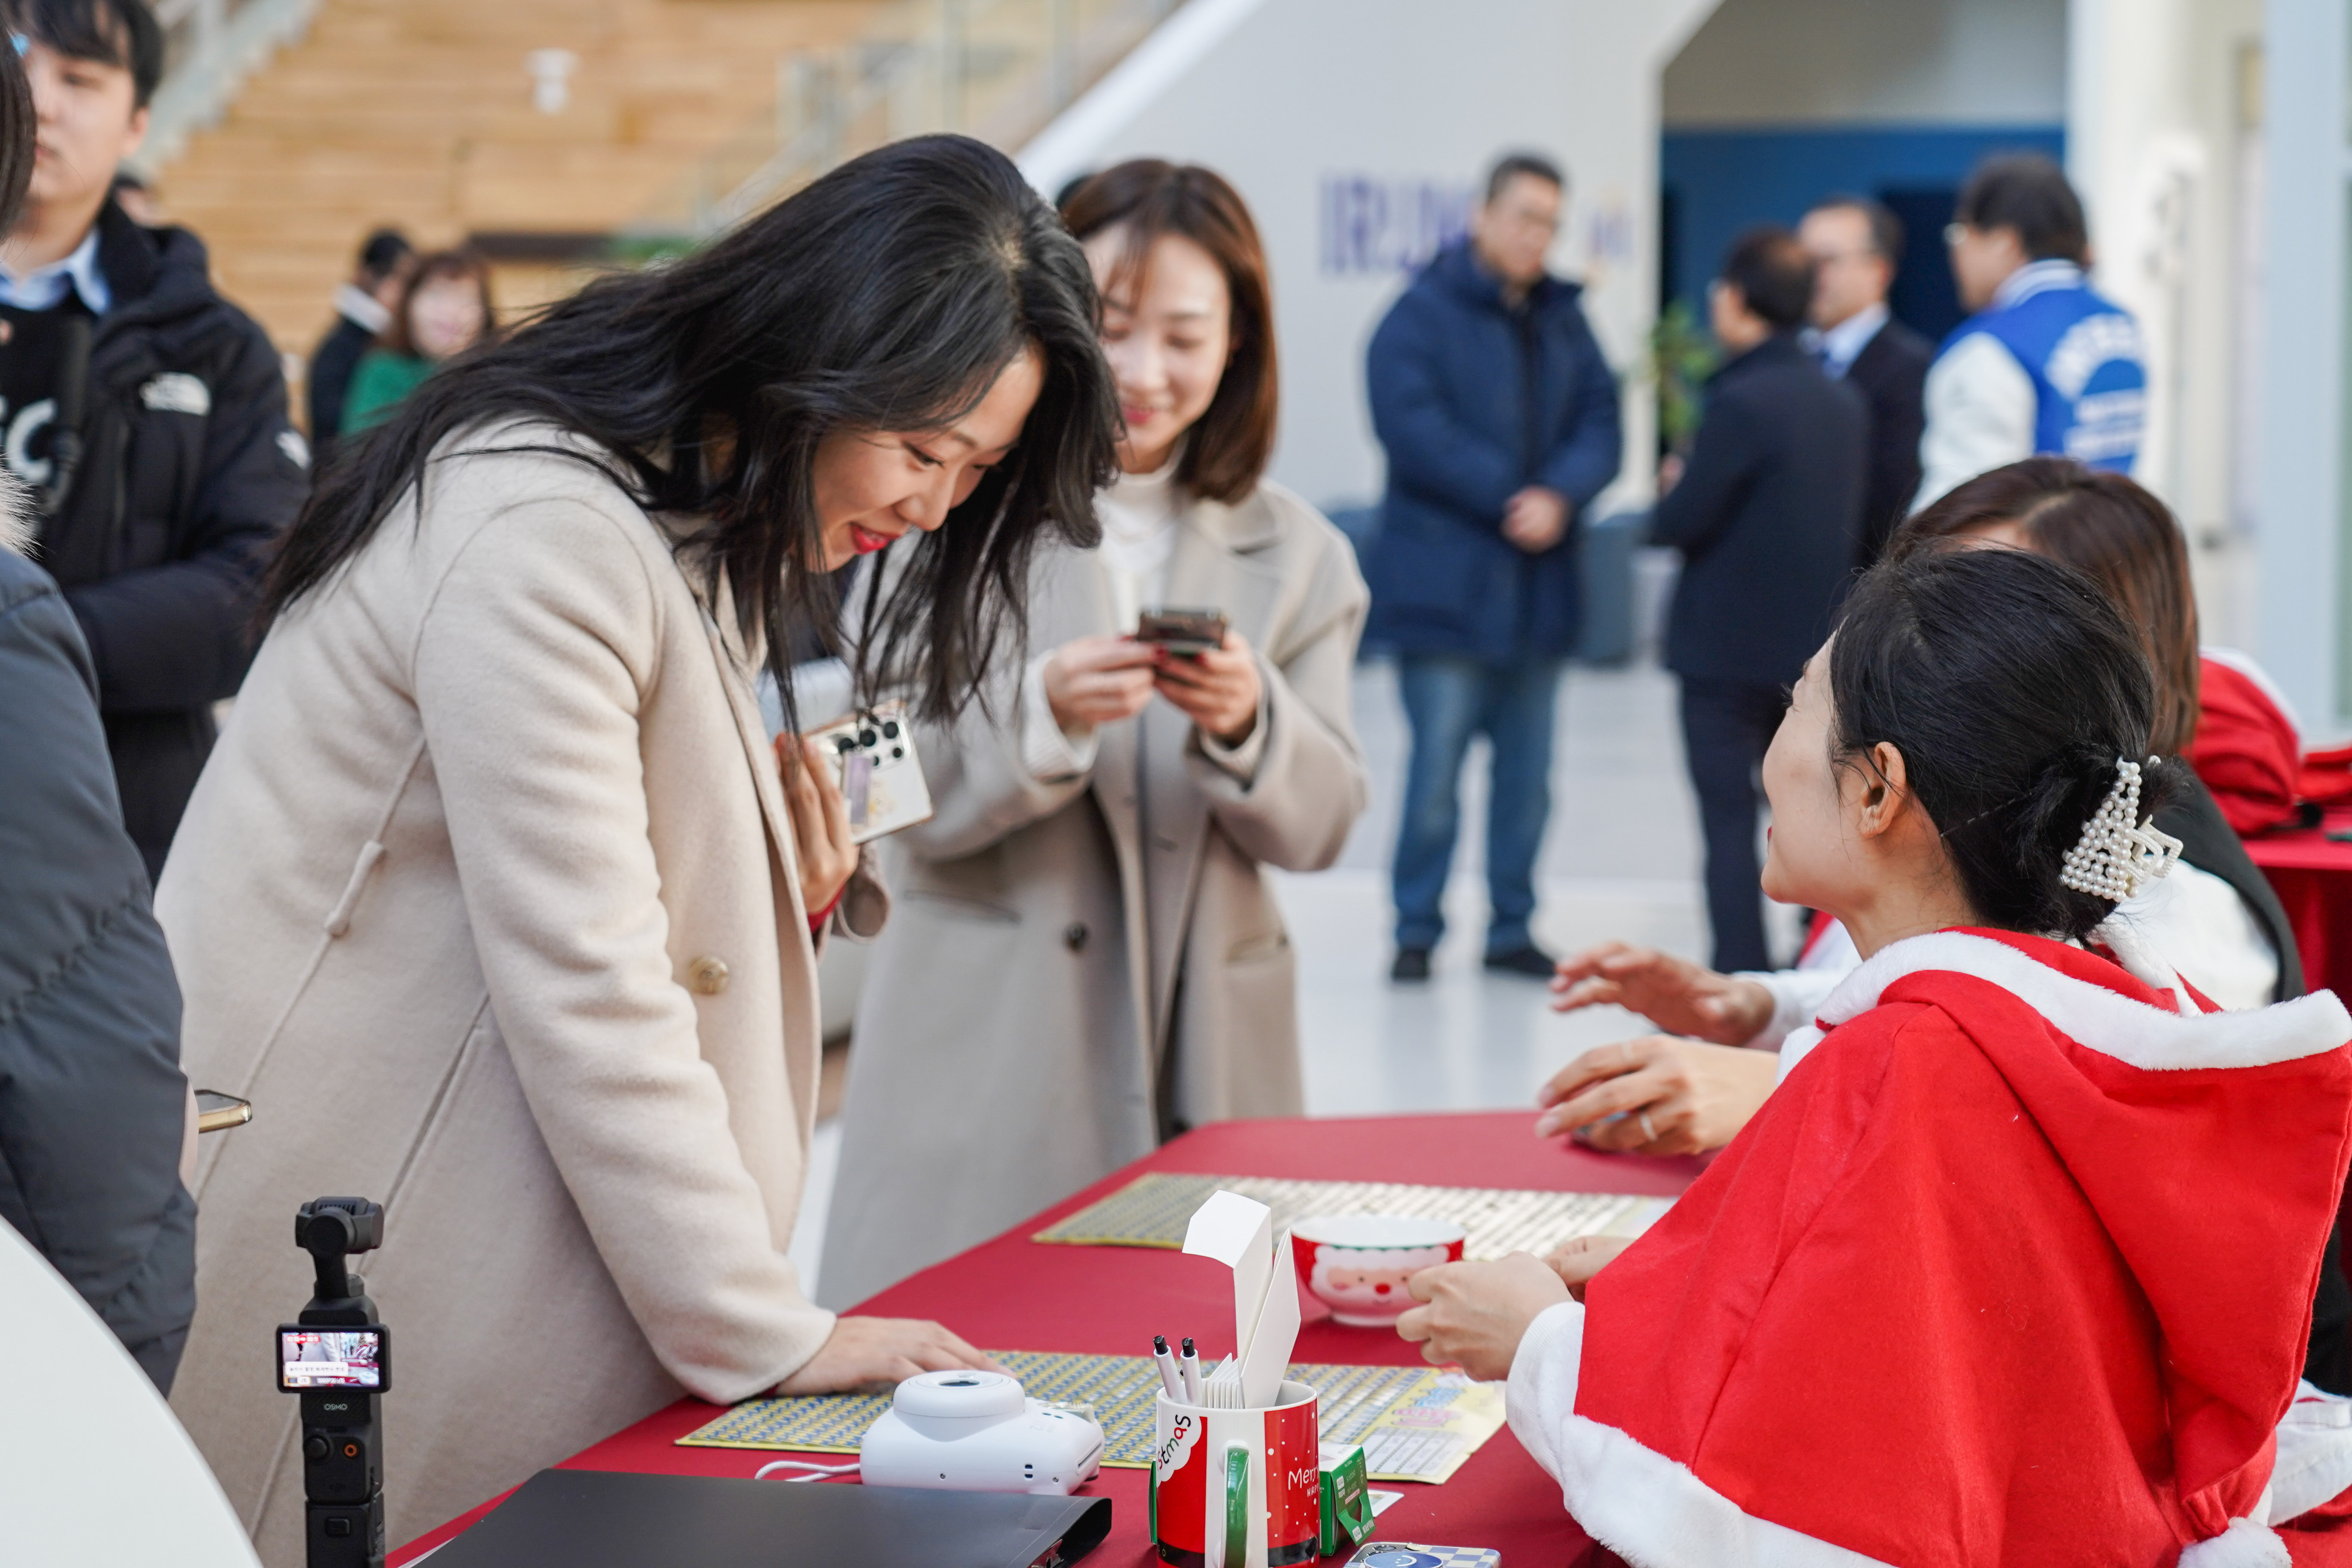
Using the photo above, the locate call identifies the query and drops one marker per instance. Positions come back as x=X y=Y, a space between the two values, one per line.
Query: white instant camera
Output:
x=976 y=1431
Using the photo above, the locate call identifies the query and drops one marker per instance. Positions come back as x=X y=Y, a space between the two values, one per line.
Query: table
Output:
x=1014 y=1294
x=2311 y=875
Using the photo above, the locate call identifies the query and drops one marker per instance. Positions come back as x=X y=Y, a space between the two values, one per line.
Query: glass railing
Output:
x=209 y=48
x=996 y=70
x=194 y=28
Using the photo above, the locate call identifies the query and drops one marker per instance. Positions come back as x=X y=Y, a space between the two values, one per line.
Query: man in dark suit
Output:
x=1856 y=245
x=1767 y=516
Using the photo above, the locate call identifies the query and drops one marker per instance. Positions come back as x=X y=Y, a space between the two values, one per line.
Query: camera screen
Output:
x=330 y=1358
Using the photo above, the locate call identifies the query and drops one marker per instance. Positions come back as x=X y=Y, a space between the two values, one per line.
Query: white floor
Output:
x=1621 y=860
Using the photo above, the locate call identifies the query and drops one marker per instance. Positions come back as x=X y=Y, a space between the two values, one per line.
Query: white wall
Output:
x=2305 y=95
x=1315 y=108
x=1826 y=62
x=2157 y=143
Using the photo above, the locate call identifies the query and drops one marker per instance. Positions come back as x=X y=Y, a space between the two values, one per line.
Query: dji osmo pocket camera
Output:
x=976 y=1431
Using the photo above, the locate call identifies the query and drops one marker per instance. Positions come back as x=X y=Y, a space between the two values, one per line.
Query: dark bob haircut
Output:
x=384 y=252
x=1233 y=440
x=2028 y=193
x=1774 y=273
x=2114 y=532
x=889 y=295
x=121 y=33
x=2011 y=685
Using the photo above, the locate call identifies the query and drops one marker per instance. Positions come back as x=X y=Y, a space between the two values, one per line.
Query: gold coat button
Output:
x=708 y=975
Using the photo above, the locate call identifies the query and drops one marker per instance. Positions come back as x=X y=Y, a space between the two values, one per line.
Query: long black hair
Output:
x=19 y=126
x=2012 y=685
x=886 y=296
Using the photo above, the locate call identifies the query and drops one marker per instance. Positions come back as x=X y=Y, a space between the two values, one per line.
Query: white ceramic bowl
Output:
x=1357 y=1264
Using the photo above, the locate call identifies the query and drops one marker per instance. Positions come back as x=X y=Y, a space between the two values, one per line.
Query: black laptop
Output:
x=604 y=1519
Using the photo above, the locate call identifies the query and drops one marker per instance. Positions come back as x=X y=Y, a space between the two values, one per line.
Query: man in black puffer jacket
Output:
x=146 y=412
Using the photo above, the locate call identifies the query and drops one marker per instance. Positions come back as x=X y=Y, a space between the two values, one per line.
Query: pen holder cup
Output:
x=1236 y=1489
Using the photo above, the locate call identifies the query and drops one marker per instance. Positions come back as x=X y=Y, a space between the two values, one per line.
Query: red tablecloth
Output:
x=1013 y=1294
x=2311 y=874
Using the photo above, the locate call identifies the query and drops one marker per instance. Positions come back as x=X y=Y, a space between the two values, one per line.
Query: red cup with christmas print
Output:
x=1236 y=1489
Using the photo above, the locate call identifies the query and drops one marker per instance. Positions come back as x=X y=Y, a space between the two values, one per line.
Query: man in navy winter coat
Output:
x=1500 y=419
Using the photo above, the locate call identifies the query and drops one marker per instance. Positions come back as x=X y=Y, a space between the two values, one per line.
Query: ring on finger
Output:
x=1649 y=1134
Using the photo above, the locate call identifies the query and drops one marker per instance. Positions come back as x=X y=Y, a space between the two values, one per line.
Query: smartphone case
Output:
x=1183 y=631
x=1405 y=1555
x=874 y=759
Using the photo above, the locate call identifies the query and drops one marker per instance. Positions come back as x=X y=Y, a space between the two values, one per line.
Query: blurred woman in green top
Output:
x=445 y=311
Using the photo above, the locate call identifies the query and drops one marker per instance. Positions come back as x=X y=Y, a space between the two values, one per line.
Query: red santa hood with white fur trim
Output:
x=2015 y=1268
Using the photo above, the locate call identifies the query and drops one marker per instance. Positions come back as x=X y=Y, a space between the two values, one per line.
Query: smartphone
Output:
x=313 y=1357
x=218 y=1112
x=874 y=761
x=1190 y=633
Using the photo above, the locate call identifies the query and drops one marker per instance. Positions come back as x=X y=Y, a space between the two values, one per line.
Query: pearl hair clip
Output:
x=2119 y=854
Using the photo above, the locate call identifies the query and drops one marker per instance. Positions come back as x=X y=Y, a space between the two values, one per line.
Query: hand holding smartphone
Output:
x=1188 y=633
x=873 y=757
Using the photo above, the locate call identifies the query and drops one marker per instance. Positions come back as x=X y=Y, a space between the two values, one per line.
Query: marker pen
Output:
x=1191 y=1366
x=1169 y=1379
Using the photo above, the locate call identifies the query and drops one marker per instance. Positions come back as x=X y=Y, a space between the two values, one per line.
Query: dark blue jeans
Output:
x=1446 y=701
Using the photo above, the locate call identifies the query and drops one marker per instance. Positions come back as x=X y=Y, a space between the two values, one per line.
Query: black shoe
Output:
x=1531 y=961
x=1412 y=964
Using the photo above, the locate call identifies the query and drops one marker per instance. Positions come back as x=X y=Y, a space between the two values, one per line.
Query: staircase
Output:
x=425 y=114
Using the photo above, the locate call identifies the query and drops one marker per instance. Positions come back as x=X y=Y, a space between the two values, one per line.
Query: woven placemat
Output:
x=1416 y=1422
x=1153 y=1210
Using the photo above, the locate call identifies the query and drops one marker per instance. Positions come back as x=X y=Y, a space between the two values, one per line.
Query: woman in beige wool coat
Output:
x=1085 y=957
x=495 y=900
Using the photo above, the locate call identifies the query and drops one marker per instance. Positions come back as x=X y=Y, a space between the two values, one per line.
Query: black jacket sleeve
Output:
x=92 y=1101
x=176 y=636
x=1724 y=462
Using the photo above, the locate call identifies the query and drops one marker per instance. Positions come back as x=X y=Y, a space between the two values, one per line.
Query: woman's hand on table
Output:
x=1669 y=1096
x=1218 y=690
x=1576 y=1260
x=1476 y=1313
x=1092 y=681
x=1678 y=995
x=866 y=1353
x=820 y=816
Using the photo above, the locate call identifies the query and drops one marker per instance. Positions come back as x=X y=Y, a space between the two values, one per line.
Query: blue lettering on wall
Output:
x=1375 y=224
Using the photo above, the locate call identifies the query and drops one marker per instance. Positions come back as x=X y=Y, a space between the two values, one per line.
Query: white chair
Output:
x=94 y=1469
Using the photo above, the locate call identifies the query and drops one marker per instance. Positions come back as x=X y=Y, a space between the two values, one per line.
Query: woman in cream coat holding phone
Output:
x=1084 y=958
x=494 y=898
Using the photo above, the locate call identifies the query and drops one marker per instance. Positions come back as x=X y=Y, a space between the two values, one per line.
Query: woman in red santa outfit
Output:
x=2015 y=1266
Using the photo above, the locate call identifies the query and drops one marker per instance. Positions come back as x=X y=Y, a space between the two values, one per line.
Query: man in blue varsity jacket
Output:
x=2045 y=364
